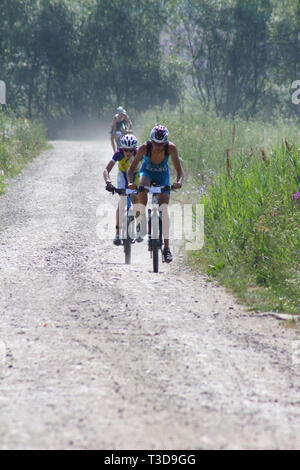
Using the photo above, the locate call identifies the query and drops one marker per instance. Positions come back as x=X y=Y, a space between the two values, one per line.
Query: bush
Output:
x=20 y=141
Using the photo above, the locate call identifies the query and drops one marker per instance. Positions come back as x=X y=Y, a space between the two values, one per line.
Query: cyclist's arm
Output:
x=139 y=155
x=129 y=123
x=176 y=162
x=114 y=125
x=107 y=170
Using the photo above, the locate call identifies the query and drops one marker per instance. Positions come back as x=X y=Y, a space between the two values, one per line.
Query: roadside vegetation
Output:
x=247 y=175
x=20 y=141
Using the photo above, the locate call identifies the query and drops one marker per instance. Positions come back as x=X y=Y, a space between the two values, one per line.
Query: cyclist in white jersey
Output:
x=120 y=121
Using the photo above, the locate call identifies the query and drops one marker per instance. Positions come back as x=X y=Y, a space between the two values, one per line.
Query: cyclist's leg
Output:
x=117 y=239
x=112 y=139
x=121 y=183
x=140 y=208
x=163 y=200
x=115 y=142
x=143 y=195
x=120 y=211
x=134 y=197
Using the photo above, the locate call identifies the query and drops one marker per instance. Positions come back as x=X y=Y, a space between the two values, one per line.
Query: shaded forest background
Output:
x=69 y=60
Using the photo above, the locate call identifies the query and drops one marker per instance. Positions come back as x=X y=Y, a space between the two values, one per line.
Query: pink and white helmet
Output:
x=129 y=141
x=159 y=134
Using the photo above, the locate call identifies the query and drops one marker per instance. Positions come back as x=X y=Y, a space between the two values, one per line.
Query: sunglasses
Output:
x=129 y=150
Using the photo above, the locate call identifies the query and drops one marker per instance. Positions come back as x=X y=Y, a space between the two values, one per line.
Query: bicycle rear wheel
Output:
x=127 y=240
x=155 y=255
x=155 y=234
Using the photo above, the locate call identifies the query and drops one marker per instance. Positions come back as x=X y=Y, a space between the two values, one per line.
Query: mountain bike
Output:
x=126 y=232
x=154 y=223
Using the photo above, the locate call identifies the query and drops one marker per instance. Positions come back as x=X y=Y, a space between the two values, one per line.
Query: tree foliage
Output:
x=242 y=56
x=64 y=58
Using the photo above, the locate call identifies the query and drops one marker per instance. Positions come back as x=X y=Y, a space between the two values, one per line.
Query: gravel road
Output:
x=95 y=354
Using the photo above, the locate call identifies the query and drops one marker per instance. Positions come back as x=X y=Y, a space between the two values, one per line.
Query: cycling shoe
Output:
x=117 y=240
x=167 y=255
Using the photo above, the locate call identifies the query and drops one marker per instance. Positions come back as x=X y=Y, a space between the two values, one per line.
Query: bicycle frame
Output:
x=154 y=224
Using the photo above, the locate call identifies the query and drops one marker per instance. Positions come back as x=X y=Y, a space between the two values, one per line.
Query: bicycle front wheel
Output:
x=155 y=235
x=155 y=255
x=127 y=250
x=127 y=240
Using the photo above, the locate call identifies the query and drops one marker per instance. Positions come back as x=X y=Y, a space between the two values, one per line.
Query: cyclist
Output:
x=123 y=156
x=155 y=168
x=120 y=121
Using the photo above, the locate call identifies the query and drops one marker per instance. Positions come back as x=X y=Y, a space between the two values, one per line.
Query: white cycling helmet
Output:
x=129 y=141
x=121 y=110
x=159 y=134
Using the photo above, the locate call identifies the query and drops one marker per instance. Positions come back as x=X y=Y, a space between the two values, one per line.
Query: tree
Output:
x=71 y=57
x=227 y=45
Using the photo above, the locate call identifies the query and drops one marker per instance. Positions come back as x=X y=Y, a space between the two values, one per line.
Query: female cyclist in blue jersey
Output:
x=123 y=156
x=155 y=168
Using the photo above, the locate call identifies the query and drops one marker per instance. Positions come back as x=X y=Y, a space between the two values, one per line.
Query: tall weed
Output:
x=203 y=138
x=247 y=175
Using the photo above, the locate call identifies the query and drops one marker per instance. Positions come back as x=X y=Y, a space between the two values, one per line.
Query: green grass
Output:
x=202 y=137
x=252 y=231
x=20 y=141
x=245 y=174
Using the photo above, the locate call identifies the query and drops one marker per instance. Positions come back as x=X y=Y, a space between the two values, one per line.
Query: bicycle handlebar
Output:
x=155 y=189
x=126 y=191
x=150 y=189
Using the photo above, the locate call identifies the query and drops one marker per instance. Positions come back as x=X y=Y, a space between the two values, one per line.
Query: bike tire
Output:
x=155 y=255
x=127 y=239
x=127 y=250
x=155 y=241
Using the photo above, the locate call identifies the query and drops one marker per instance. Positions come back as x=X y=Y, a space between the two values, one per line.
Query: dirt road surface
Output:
x=95 y=354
